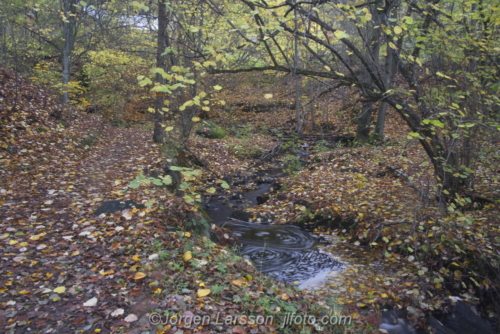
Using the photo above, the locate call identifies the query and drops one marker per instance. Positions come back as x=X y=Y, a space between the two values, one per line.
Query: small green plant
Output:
x=143 y=180
x=241 y=131
x=292 y=163
x=210 y=130
x=199 y=226
x=245 y=150
x=216 y=289
x=222 y=267
x=322 y=146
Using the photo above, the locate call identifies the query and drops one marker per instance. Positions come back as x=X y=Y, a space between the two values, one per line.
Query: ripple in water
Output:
x=285 y=252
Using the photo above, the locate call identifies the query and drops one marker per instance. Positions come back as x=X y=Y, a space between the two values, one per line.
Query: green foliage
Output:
x=111 y=78
x=47 y=74
x=291 y=143
x=210 y=130
x=322 y=146
x=143 y=180
x=216 y=289
x=292 y=163
x=241 y=131
x=245 y=150
x=198 y=226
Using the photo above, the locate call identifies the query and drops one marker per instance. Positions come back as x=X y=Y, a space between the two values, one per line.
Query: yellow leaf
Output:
x=169 y=128
x=187 y=256
x=75 y=253
x=268 y=96
x=196 y=119
x=239 y=282
x=339 y=34
x=13 y=242
x=109 y=272
x=384 y=295
x=60 y=289
x=139 y=275
x=187 y=234
x=136 y=258
x=398 y=30
x=203 y=292
x=23 y=292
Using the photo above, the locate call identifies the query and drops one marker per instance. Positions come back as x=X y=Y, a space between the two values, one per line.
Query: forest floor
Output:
x=66 y=270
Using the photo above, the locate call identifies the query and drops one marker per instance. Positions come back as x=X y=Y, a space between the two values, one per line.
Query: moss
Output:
x=210 y=130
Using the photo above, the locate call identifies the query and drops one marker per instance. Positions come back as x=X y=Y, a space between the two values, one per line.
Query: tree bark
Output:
x=161 y=62
x=69 y=34
x=363 y=130
x=296 y=61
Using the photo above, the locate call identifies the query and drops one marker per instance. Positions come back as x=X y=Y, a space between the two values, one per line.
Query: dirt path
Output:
x=49 y=238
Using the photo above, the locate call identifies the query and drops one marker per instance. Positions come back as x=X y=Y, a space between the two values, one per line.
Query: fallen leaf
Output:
x=117 y=312
x=131 y=318
x=239 y=282
x=203 y=292
x=187 y=256
x=139 y=275
x=91 y=302
x=60 y=289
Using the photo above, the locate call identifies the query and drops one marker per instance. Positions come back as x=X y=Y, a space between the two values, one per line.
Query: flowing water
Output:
x=285 y=252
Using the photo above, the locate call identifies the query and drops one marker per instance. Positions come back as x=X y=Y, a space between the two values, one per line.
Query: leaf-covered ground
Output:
x=64 y=269
x=402 y=251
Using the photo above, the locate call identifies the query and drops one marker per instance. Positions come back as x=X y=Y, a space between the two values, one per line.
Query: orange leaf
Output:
x=139 y=275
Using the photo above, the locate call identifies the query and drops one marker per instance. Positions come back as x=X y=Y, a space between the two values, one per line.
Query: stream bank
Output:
x=366 y=279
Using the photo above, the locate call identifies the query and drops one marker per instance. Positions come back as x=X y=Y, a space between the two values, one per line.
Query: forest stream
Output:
x=286 y=252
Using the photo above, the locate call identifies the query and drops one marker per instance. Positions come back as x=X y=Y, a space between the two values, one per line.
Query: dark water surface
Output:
x=285 y=252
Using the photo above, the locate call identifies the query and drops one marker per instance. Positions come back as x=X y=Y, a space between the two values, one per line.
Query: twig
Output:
x=238 y=220
x=269 y=154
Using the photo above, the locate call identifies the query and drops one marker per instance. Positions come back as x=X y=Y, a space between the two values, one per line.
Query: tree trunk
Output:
x=68 y=31
x=296 y=60
x=363 y=130
x=387 y=78
x=159 y=117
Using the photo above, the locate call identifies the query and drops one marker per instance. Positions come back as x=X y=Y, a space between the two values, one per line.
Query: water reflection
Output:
x=285 y=252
